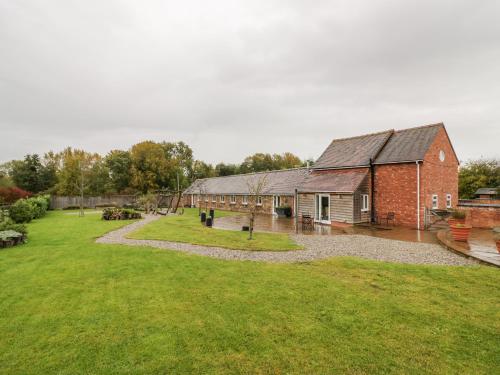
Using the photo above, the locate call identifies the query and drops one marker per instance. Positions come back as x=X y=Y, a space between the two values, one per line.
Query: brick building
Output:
x=355 y=180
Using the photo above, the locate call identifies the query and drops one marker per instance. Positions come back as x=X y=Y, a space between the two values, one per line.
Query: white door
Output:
x=322 y=208
x=276 y=203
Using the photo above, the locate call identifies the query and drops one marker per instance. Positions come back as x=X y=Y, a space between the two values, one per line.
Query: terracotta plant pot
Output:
x=460 y=232
x=452 y=221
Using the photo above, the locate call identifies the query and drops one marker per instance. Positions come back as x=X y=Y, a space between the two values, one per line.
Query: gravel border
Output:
x=315 y=248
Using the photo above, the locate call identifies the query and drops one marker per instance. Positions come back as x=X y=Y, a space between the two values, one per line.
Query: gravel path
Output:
x=316 y=247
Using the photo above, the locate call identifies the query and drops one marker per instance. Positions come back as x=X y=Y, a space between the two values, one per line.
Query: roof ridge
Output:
x=361 y=136
x=252 y=173
x=420 y=127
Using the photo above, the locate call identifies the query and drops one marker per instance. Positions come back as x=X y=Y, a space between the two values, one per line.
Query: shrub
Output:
x=10 y=225
x=9 y=195
x=21 y=211
x=112 y=213
x=40 y=205
x=458 y=214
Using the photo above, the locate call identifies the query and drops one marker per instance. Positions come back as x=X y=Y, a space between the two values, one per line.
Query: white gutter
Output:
x=418 y=195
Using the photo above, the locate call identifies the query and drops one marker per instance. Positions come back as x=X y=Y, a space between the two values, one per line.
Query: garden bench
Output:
x=389 y=217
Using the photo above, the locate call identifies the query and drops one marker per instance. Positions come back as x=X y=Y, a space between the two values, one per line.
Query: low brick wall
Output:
x=482 y=216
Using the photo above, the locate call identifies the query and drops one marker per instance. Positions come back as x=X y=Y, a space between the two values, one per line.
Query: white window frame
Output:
x=258 y=200
x=222 y=199
x=365 y=203
x=206 y=197
x=448 y=201
x=214 y=198
x=244 y=200
x=232 y=199
x=435 y=202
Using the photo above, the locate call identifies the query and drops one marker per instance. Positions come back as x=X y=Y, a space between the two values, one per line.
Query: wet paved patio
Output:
x=481 y=245
x=268 y=223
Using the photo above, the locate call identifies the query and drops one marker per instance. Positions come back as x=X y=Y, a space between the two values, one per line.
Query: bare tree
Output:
x=202 y=191
x=80 y=186
x=256 y=188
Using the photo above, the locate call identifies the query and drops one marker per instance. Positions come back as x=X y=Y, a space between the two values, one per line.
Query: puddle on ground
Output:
x=268 y=223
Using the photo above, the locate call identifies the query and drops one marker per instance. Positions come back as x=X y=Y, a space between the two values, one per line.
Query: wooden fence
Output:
x=64 y=202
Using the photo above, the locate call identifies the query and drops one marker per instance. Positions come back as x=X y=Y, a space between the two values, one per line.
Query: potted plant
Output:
x=460 y=232
x=457 y=217
x=284 y=211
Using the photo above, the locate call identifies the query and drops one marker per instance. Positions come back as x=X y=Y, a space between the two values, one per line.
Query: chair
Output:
x=389 y=217
x=307 y=222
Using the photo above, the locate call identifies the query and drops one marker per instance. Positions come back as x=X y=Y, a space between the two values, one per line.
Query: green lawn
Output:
x=70 y=306
x=187 y=228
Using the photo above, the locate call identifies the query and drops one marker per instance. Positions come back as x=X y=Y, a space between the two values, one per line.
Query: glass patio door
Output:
x=276 y=203
x=322 y=208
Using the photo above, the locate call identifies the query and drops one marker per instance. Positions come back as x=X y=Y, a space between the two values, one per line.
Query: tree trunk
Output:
x=250 y=227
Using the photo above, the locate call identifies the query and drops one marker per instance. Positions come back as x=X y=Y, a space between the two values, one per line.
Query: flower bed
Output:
x=10 y=238
x=120 y=214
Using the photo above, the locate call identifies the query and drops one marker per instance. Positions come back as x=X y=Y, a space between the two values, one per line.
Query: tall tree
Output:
x=119 y=164
x=201 y=170
x=477 y=174
x=222 y=169
x=150 y=168
x=73 y=162
x=32 y=175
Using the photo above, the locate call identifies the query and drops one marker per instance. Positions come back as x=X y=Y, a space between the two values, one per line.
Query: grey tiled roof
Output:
x=352 y=152
x=277 y=182
x=484 y=191
x=345 y=182
x=408 y=144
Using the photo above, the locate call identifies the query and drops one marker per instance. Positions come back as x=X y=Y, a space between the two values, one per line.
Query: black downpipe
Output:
x=372 y=203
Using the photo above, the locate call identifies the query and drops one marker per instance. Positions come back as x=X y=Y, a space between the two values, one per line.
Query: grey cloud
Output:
x=234 y=77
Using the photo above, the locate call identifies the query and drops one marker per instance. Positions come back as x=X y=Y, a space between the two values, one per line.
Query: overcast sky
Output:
x=232 y=78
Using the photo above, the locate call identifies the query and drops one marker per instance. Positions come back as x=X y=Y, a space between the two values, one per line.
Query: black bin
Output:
x=212 y=213
x=203 y=217
x=209 y=222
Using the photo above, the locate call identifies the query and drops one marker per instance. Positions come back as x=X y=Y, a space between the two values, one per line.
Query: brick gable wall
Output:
x=396 y=184
x=440 y=177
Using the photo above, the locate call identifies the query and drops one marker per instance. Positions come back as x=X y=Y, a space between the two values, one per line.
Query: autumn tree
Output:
x=73 y=162
x=150 y=167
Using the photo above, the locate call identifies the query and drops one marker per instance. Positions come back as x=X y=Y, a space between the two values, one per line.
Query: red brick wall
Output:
x=482 y=217
x=396 y=184
x=396 y=191
x=440 y=177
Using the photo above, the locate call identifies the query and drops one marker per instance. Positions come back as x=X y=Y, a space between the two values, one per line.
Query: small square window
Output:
x=214 y=198
x=259 y=201
x=244 y=200
x=233 y=199
x=222 y=198
x=435 y=203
